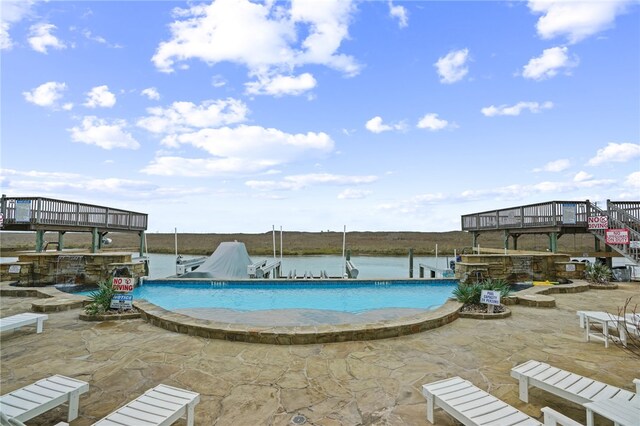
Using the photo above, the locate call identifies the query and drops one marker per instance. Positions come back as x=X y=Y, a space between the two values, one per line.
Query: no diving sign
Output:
x=122 y=284
x=598 y=222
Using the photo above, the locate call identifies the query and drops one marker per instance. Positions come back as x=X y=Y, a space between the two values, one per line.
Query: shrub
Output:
x=469 y=294
x=100 y=299
x=597 y=273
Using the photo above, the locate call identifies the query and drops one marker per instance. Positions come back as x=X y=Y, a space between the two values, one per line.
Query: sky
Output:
x=236 y=116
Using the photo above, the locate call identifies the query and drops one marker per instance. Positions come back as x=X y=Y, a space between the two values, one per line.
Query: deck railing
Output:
x=540 y=215
x=52 y=212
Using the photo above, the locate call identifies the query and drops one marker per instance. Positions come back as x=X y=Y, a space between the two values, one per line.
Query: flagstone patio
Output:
x=351 y=383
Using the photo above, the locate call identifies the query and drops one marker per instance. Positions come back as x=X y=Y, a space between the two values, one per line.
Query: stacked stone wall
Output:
x=518 y=267
x=33 y=269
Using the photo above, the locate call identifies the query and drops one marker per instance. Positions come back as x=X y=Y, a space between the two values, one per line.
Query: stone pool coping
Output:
x=54 y=300
x=298 y=335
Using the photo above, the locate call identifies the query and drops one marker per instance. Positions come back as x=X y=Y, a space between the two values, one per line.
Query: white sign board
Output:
x=123 y=284
x=122 y=301
x=569 y=214
x=616 y=236
x=23 y=211
x=634 y=244
x=490 y=297
x=14 y=269
x=570 y=267
x=598 y=222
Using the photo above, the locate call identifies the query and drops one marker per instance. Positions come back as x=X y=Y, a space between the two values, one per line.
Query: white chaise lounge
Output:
x=20 y=320
x=160 y=406
x=472 y=406
x=567 y=385
x=32 y=400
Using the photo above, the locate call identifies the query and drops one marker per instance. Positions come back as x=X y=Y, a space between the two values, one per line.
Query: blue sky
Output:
x=234 y=116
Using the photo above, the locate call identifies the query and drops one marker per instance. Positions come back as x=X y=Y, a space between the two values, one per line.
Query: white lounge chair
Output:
x=162 y=405
x=20 y=320
x=32 y=400
x=567 y=385
x=472 y=406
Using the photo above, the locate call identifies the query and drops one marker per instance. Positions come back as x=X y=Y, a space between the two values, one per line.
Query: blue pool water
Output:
x=337 y=295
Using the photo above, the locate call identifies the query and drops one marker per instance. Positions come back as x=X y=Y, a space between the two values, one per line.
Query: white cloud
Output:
x=582 y=176
x=58 y=185
x=100 y=96
x=554 y=166
x=41 y=38
x=353 y=194
x=151 y=93
x=186 y=116
x=297 y=182
x=452 y=67
x=281 y=85
x=576 y=20
x=432 y=122
x=218 y=81
x=549 y=63
x=516 y=109
x=67 y=106
x=5 y=39
x=12 y=12
x=375 y=125
x=633 y=180
x=243 y=149
x=265 y=37
x=615 y=153
x=99 y=132
x=46 y=95
x=400 y=13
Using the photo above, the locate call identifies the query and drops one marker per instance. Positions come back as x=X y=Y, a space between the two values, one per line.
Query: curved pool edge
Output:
x=298 y=335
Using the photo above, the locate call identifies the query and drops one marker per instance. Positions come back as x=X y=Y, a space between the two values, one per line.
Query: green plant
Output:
x=469 y=294
x=597 y=273
x=100 y=299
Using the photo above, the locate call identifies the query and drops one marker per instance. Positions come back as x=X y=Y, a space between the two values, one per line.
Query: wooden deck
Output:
x=553 y=216
x=37 y=213
x=557 y=218
x=40 y=215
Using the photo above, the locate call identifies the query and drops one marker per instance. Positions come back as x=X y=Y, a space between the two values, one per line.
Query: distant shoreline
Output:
x=303 y=243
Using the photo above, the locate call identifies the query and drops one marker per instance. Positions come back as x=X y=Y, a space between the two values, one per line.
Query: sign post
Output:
x=122 y=300
x=597 y=222
x=123 y=284
x=616 y=236
x=491 y=298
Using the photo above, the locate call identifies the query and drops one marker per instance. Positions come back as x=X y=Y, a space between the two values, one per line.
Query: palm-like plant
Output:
x=469 y=294
x=598 y=273
x=100 y=299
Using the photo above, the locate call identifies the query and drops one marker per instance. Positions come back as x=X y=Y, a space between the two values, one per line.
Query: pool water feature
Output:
x=336 y=295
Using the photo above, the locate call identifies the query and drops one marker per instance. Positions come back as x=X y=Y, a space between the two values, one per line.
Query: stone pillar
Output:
x=553 y=242
x=142 y=244
x=61 y=240
x=95 y=237
x=515 y=241
x=39 y=241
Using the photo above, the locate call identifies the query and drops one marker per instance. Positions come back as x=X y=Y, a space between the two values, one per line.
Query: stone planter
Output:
x=111 y=317
x=485 y=315
x=610 y=286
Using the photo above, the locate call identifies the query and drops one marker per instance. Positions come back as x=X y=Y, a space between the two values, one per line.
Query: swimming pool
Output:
x=338 y=295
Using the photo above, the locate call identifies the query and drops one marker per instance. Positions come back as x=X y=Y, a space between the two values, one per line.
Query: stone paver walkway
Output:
x=352 y=383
